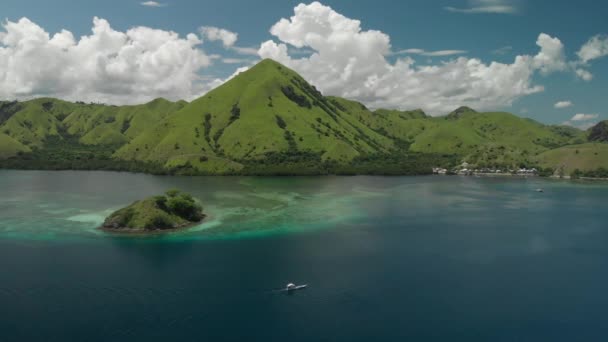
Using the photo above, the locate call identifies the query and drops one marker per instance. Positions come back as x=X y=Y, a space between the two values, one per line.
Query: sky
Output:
x=547 y=60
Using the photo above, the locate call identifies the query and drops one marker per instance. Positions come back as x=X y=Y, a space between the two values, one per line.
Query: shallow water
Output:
x=417 y=258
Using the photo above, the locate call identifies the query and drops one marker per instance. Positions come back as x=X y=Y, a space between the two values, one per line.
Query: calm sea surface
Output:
x=386 y=259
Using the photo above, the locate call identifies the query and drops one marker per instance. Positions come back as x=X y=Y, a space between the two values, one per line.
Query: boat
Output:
x=293 y=287
x=540 y=190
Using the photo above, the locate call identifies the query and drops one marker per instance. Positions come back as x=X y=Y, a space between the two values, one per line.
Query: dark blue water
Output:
x=393 y=259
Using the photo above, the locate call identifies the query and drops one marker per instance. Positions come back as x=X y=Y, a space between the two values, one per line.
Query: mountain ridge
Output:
x=266 y=115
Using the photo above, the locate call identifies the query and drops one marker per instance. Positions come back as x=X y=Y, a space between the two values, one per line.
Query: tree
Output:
x=185 y=207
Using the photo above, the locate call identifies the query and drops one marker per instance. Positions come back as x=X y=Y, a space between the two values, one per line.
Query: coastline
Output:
x=149 y=232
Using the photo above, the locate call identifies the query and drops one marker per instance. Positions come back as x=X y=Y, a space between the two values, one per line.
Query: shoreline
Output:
x=489 y=175
x=146 y=232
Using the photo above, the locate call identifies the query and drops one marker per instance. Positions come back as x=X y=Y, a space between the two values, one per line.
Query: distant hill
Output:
x=269 y=120
x=585 y=157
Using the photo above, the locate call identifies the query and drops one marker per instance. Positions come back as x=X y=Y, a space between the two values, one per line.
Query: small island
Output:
x=172 y=211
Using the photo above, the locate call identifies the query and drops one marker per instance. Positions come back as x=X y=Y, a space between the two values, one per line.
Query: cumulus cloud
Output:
x=485 y=6
x=107 y=65
x=584 y=74
x=563 y=104
x=595 y=48
x=440 y=53
x=351 y=62
x=228 y=38
x=551 y=57
x=152 y=4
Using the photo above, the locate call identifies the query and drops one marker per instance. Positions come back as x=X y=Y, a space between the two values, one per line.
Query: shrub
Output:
x=280 y=122
x=126 y=217
x=161 y=202
x=300 y=100
x=185 y=207
x=159 y=221
x=172 y=192
x=235 y=113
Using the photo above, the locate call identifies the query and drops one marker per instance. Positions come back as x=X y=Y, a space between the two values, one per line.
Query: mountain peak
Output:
x=266 y=65
x=458 y=113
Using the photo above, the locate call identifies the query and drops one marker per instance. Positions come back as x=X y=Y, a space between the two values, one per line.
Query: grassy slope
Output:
x=99 y=125
x=34 y=122
x=405 y=125
x=208 y=127
x=95 y=124
x=10 y=147
x=141 y=214
x=492 y=138
x=586 y=157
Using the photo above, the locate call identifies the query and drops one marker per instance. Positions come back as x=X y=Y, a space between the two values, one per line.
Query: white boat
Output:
x=293 y=287
x=540 y=190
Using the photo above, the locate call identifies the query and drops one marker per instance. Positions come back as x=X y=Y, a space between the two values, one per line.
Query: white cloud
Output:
x=485 y=6
x=228 y=38
x=584 y=117
x=596 y=47
x=105 y=66
x=551 y=57
x=582 y=121
x=152 y=4
x=351 y=62
x=440 y=53
x=563 y=104
x=236 y=60
x=584 y=74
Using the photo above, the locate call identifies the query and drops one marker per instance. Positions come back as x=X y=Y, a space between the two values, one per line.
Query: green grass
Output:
x=585 y=157
x=490 y=139
x=10 y=147
x=95 y=124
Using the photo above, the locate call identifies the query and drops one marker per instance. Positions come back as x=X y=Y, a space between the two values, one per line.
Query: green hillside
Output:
x=269 y=120
x=268 y=109
x=492 y=138
x=585 y=157
x=10 y=147
x=33 y=122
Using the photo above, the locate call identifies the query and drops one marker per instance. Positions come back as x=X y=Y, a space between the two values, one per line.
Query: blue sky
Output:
x=414 y=24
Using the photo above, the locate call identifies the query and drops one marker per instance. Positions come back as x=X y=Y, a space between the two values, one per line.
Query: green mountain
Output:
x=267 y=109
x=269 y=120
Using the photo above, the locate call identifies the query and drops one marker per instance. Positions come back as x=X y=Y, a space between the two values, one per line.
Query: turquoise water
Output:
x=395 y=258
